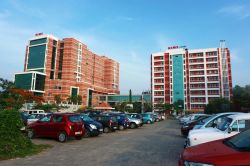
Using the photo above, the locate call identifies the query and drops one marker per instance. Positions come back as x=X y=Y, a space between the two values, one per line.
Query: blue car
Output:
x=123 y=121
x=148 y=118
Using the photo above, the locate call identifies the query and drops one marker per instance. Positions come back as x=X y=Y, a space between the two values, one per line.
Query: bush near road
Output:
x=14 y=143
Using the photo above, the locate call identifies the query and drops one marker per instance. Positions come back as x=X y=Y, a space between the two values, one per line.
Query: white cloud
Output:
x=241 y=11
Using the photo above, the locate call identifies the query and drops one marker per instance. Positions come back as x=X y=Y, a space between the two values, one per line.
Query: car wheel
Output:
x=31 y=134
x=132 y=125
x=87 y=134
x=62 y=137
x=148 y=122
x=78 y=137
x=121 y=127
x=106 y=130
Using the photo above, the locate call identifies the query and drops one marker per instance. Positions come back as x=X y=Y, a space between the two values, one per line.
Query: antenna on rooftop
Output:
x=222 y=43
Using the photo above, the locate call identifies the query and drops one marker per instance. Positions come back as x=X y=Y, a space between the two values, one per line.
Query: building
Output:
x=192 y=77
x=67 y=68
x=114 y=99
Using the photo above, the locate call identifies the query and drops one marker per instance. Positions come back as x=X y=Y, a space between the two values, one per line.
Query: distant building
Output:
x=66 y=68
x=193 y=77
x=114 y=99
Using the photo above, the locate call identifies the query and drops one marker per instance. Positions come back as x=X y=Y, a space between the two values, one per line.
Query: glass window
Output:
x=243 y=125
x=57 y=118
x=74 y=118
x=46 y=118
x=240 y=142
x=36 y=56
x=234 y=126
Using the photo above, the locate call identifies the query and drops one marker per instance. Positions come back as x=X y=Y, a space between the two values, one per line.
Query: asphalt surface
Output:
x=156 y=144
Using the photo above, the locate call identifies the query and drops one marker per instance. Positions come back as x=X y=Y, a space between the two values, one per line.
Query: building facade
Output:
x=192 y=77
x=66 y=68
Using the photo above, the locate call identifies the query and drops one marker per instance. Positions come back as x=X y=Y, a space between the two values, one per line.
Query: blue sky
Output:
x=128 y=31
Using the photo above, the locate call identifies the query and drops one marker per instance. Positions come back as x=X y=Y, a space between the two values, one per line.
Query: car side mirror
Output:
x=214 y=125
x=229 y=130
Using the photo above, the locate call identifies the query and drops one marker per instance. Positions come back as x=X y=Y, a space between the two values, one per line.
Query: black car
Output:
x=93 y=128
x=109 y=123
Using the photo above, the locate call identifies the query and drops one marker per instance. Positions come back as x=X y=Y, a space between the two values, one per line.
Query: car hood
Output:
x=97 y=124
x=207 y=153
x=206 y=130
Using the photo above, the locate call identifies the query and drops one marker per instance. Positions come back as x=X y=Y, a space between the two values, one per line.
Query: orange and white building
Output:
x=193 y=77
x=67 y=68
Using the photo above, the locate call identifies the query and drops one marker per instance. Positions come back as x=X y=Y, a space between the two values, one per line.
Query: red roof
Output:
x=103 y=106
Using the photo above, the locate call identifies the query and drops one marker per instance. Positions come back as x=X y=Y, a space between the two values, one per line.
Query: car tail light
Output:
x=70 y=127
x=110 y=122
x=82 y=125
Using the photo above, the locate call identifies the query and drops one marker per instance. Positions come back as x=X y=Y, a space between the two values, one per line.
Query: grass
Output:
x=34 y=149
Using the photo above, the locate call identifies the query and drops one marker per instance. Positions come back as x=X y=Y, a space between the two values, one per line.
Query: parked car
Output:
x=190 y=117
x=123 y=121
x=92 y=127
x=229 y=126
x=185 y=128
x=35 y=117
x=229 y=151
x=213 y=120
x=60 y=126
x=156 y=116
x=148 y=118
x=34 y=111
x=133 y=122
x=109 y=123
x=135 y=115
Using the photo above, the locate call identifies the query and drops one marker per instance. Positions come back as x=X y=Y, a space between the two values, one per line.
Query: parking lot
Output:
x=156 y=144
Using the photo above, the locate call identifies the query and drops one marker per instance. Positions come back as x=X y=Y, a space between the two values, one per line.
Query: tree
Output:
x=217 y=106
x=130 y=96
x=58 y=99
x=241 y=97
x=14 y=98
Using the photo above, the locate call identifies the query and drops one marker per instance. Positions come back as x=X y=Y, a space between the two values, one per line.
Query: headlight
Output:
x=92 y=126
x=187 y=163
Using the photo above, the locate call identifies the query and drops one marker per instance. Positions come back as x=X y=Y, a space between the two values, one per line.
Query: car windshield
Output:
x=86 y=118
x=32 y=116
x=224 y=123
x=75 y=118
x=240 y=142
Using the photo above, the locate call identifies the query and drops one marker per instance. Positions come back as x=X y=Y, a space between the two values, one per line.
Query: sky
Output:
x=128 y=31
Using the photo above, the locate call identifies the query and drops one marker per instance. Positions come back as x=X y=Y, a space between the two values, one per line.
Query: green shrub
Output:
x=14 y=143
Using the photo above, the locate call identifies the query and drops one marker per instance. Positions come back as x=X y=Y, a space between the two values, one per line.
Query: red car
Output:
x=60 y=126
x=230 y=151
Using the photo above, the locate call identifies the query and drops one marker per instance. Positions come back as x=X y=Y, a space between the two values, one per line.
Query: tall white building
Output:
x=192 y=77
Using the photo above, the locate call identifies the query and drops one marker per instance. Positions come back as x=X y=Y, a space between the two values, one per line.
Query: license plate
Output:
x=78 y=133
x=115 y=127
x=100 y=129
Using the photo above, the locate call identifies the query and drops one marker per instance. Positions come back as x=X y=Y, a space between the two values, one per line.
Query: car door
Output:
x=43 y=127
x=57 y=125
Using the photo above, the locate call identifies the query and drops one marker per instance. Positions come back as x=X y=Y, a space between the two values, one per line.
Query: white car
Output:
x=228 y=127
x=213 y=120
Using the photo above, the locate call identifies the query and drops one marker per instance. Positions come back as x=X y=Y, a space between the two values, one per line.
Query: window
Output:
x=57 y=118
x=46 y=118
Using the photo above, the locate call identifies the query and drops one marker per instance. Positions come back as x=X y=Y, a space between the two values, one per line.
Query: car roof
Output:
x=240 y=116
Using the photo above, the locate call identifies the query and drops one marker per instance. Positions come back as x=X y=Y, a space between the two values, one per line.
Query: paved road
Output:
x=157 y=144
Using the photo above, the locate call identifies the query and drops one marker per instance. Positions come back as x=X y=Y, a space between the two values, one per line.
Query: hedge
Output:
x=14 y=143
